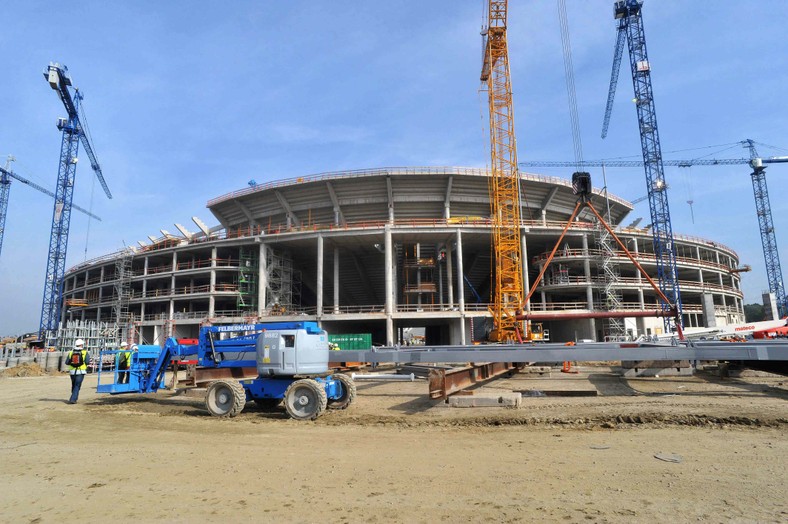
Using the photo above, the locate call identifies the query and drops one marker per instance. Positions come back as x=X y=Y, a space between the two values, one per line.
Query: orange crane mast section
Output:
x=505 y=180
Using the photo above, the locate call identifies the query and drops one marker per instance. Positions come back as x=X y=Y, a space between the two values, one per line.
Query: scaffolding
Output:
x=247 y=279
x=122 y=295
x=613 y=329
x=418 y=270
x=283 y=282
x=96 y=335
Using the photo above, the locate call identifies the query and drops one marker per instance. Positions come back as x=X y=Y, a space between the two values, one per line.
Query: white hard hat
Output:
x=134 y=347
x=124 y=344
x=79 y=343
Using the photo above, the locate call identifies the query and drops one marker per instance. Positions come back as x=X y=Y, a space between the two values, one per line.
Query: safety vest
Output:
x=124 y=359
x=81 y=369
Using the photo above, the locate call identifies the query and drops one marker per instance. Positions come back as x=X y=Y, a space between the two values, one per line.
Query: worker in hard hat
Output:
x=124 y=363
x=78 y=360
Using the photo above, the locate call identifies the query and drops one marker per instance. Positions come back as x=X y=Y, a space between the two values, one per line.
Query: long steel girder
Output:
x=504 y=181
x=61 y=222
x=582 y=352
x=656 y=187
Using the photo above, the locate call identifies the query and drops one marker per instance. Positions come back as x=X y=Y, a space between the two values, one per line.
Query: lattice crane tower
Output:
x=505 y=179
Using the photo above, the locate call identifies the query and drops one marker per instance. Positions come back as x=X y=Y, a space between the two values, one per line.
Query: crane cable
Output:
x=83 y=121
x=569 y=76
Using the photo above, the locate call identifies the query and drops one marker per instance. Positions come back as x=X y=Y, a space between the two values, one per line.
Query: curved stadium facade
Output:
x=379 y=251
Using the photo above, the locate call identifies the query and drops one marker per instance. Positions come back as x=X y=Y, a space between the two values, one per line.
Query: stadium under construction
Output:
x=383 y=250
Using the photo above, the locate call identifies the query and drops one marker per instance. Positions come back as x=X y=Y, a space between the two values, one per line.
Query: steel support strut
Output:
x=668 y=309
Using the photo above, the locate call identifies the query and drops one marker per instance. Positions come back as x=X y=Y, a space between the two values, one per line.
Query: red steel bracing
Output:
x=542 y=316
x=552 y=253
x=671 y=311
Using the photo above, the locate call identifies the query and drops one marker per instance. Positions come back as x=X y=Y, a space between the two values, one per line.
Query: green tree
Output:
x=754 y=312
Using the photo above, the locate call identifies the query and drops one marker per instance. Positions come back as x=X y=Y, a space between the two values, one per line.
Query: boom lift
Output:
x=5 y=188
x=291 y=359
x=74 y=132
x=504 y=181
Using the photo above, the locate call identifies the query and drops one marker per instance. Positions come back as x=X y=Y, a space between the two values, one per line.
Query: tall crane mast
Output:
x=73 y=133
x=505 y=178
x=763 y=209
x=5 y=188
x=630 y=23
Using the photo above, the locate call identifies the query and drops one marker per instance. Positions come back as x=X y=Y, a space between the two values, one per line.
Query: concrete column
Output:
x=262 y=275
x=526 y=281
x=174 y=260
x=544 y=217
x=388 y=262
x=101 y=279
x=336 y=280
x=460 y=276
x=440 y=277
x=319 y=275
x=418 y=274
x=145 y=270
x=213 y=257
x=449 y=276
x=211 y=298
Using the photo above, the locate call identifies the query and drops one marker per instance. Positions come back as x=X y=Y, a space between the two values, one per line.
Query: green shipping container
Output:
x=352 y=342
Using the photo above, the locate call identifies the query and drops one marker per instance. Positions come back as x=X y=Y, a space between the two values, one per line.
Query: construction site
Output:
x=382 y=328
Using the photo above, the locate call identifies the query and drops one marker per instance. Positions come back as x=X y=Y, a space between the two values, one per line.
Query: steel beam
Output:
x=583 y=352
x=444 y=382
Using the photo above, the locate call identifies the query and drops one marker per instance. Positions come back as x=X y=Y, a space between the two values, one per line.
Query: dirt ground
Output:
x=396 y=456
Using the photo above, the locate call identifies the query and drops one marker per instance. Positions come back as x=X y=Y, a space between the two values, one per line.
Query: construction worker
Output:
x=124 y=363
x=78 y=360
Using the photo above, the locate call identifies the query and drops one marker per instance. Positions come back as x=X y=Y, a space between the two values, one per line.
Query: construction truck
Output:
x=290 y=358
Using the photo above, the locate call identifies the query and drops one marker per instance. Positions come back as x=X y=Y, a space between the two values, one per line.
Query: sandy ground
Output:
x=395 y=456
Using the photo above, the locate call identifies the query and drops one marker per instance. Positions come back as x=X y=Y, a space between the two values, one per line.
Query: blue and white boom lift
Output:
x=291 y=360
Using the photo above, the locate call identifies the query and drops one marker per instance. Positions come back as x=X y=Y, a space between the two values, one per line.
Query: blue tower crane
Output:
x=763 y=209
x=630 y=23
x=73 y=133
x=5 y=188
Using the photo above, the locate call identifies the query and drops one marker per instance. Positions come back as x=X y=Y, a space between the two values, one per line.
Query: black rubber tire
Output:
x=348 y=392
x=305 y=399
x=267 y=403
x=225 y=398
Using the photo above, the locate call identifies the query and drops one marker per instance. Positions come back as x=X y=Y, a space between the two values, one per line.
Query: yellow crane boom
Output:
x=505 y=179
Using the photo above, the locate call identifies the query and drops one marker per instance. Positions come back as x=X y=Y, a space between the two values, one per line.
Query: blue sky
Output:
x=189 y=100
